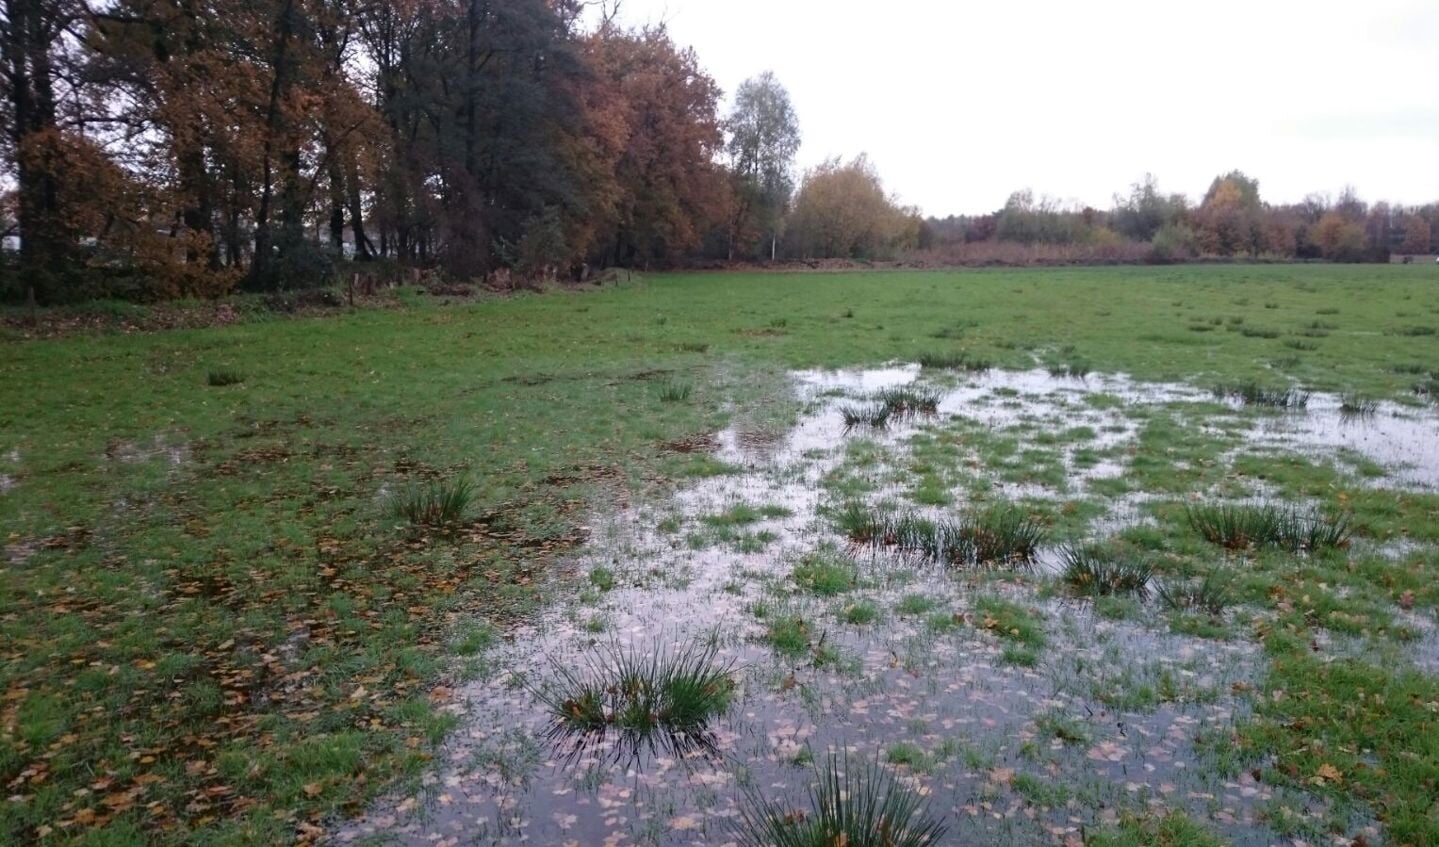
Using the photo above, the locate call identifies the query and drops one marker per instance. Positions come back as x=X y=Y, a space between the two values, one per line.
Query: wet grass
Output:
x=966 y=362
x=1249 y=527
x=1020 y=628
x=788 y=632
x=1211 y=595
x=908 y=400
x=1174 y=829
x=434 y=504
x=659 y=689
x=1256 y=394
x=860 y=613
x=850 y=802
x=872 y=415
x=1357 y=405
x=1353 y=732
x=825 y=573
x=1103 y=570
x=744 y=514
x=997 y=535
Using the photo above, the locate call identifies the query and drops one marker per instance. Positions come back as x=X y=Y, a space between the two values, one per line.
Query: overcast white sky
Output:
x=960 y=102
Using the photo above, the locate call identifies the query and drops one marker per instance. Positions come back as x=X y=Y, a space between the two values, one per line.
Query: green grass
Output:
x=788 y=633
x=222 y=377
x=744 y=514
x=825 y=573
x=916 y=604
x=1353 y=732
x=860 y=613
x=1020 y=628
x=157 y=586
x=675 y=391
x=851 y=803
x=1174 y=829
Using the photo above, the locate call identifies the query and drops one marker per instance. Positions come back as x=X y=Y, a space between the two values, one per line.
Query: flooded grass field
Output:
x=1110 y=557
x=1023 y=705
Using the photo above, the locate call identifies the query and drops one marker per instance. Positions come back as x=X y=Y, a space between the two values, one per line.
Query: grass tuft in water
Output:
x=954 y=362
x=908 y=400
x=1001 y=535
x=1101 y=571
x=875 y=415
x=1075 y=369
x=438 y=503
x=1246 y=527
x=1210 y=595
x=224 y=377
x=850 y=803
x=1254 y=394
x=674 y=690
x=1353 y=404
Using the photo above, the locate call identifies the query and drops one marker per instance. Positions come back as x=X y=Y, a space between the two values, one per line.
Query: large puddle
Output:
x=1104 y=722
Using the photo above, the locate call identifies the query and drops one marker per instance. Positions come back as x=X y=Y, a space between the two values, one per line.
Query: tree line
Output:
x=168 y=148
x=1231 y=220
x=187 y=148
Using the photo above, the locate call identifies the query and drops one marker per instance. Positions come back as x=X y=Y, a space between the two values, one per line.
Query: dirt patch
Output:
x=703 y=442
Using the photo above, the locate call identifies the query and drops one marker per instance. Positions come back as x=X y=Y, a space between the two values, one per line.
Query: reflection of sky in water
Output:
x=508 y=777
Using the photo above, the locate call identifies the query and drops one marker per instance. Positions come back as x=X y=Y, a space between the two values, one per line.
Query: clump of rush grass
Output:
x=222 y=377
x=1000 y=535
x=954 y=362
x=860 y=524
x=673 y=690
x=1428 y=387
x=434 y=504
x=1003 y=534
x=675 y=391
x=855 y=804
x=1103 y=570
x=1254 y=394
x=1210 y=595
x=874 y=415
x=1357 y=405
x=1246 y=526
x=1070 y=370
x=908 y=400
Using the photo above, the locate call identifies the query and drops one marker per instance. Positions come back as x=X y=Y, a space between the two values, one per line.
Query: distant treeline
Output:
x=1230 y=221
x=187 y=148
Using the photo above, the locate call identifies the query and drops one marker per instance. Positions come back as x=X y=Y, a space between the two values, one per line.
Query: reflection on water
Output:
x=1134 y=697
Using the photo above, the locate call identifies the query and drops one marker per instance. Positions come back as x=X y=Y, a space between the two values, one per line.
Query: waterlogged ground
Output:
x=1023 y=712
